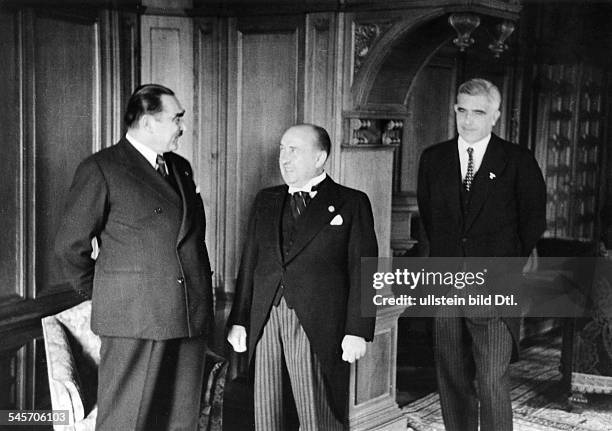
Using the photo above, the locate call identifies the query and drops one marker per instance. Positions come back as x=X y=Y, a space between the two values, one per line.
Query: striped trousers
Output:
x=284 y=342
x=468 y=349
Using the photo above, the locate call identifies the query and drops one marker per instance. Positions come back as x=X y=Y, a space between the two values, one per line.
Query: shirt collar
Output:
x=147 y=152
x=478 y=145
x=309 y=185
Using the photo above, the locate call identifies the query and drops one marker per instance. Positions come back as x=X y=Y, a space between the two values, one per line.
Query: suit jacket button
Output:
x=157 y=210
x=463 y=239
x=180 y=280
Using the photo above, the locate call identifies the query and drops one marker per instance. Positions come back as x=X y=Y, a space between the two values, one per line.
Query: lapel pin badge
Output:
x=331 y=209
x=491 y=175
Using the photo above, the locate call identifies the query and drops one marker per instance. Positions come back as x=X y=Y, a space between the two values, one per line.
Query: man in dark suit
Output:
x=151 y=282
x=298 y=289
x=478 y=195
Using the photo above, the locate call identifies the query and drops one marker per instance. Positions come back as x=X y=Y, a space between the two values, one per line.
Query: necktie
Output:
x=161 y=166
x=469 y=176
x=298 y=202
x=163 y=170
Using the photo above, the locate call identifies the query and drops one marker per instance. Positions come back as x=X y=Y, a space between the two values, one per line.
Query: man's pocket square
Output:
x=336 y=221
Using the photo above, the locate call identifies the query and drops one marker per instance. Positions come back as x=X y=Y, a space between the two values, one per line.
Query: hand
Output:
x=353 y=348
x=237 y=338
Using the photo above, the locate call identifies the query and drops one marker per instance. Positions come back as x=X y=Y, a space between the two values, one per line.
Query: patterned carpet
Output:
x=537 y=401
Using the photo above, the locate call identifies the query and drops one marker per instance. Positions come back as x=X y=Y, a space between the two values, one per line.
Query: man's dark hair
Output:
x=146 y=99
x=322 y=137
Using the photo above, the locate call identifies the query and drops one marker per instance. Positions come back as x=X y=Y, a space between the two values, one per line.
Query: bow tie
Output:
x=293 y=190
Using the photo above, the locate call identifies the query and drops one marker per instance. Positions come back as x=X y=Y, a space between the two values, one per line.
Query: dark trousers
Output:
x=468 y=351
x=150 y=385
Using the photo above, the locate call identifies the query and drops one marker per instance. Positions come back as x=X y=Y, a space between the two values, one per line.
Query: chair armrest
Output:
x=211 y=407
x=64 y=382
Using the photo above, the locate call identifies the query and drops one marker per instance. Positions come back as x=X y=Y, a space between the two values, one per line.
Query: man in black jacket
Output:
x=298 y=291
x=478 y=196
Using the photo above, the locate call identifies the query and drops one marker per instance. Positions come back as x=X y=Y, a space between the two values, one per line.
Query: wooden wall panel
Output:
x=65 y=122
x=129 y=58
x=266 y=59
x=166 y=5
x=370 y=381
x=319 y=101
x=210 y=45
x=430 y=118
x=370 y=169
x=39 y=397
x=23 y=375
x=11 y=374
x=11 y=284
x=267 y=106
x=167 y=59
x=62 y=88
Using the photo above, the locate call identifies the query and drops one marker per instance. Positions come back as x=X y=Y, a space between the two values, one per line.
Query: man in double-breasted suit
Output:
x=151 y=282
x=478 y=196
x=298 y=292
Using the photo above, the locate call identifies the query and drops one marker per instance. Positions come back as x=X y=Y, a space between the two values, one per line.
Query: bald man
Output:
x=298 y=287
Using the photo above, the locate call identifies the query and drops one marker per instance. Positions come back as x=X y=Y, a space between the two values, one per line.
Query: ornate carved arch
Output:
x=382 y=75
x=382 y=51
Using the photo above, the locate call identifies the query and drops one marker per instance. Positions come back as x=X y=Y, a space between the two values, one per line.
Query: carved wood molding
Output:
x=369 y=55
x=373 y=130
x=261 y=7
x=365 y=35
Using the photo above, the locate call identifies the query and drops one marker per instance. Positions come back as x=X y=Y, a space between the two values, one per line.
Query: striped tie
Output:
x=161 y=166
x=299 y=201
x=469 y=176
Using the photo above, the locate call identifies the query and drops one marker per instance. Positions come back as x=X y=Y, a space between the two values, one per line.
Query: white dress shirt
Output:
x=309 y=185
x=147 y=152
x=480 y=147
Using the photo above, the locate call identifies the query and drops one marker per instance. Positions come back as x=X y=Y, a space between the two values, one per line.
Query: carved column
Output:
x=372 y=404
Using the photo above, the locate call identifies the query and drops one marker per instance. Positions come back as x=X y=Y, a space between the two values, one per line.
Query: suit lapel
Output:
x=320 y=211
x=492 y=166
x=450 y=180
x=182 y=178
x=138 y=167
x=274 y=211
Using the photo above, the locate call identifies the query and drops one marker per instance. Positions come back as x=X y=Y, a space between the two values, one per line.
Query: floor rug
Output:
x=537 y=400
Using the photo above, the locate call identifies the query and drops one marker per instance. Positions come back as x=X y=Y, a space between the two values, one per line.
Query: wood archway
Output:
x=386 y=76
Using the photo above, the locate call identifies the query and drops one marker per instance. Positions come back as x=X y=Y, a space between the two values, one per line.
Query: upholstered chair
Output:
x=73 y=356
